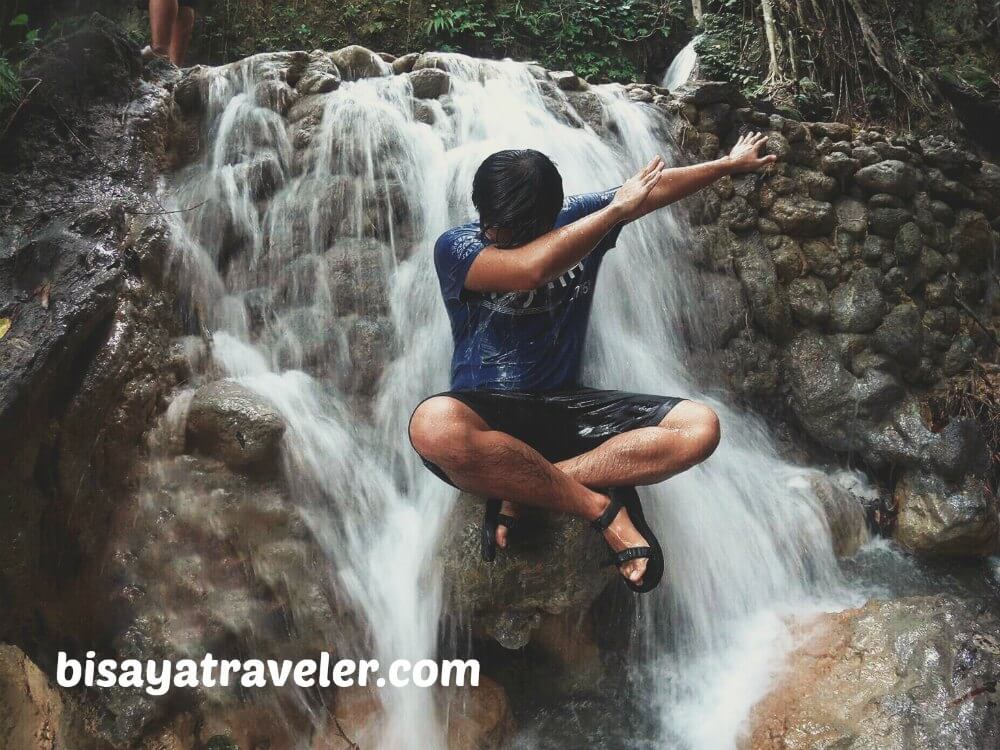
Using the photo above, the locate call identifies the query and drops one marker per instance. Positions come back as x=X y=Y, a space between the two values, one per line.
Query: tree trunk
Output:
x=774 y=71
x=697 y=10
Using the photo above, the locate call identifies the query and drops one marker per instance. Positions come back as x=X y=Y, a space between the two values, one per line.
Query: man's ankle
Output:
x=598 y=502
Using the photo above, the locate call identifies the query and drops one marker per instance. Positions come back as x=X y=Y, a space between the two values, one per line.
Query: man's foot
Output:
x=507 y=508
x=148 y=53
x=622 y=535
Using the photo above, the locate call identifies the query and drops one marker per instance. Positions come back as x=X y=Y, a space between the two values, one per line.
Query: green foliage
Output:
x=10 y=89
x=730 y=48
x=599 y=39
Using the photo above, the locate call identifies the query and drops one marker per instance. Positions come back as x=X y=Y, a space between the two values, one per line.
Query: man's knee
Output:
x=699 y=424
x=440 y=432
x=706 y=431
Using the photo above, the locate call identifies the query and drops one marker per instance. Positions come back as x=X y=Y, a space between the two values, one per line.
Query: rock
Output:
x=899 y=335
x=893 y=177
x=321 y=74
x=478 y=718
x=32 y=713
x=235 y=425
x=844 y=513
x=909 y=242
x=852 y=216
x=738 y=215
x=974 y=240
x=949 y=158
x=840 y=165
x=787 y=256
x=959 y=355
x=505 y=598
x=809 y=300
x=835 y=131
x=404 y=63
x=768 y=302
x=950 y=191
x=355 y=62
x=430 y=83
x=802 y=216
x=926 y=666
x=590 y=108
x=701 y=93
x=726 y=309
x=865 y=155
x=822 y=259
x=886 y=222
x=356 y=271
x=567 y=80
x=857 y=306
x=941 y=518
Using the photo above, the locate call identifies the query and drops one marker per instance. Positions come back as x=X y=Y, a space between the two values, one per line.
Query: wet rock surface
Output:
x=909 y=674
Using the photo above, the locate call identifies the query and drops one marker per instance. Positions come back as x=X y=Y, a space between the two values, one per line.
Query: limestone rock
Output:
x=857 y=306
x=974 y=240
x=905 y=674
x=809 y=300
x=899 y=335
x=355 y=62
x=429 y=83
x=234 y=424
x=891 y=176
x=942 y=518
x=567 y=80
x=803 y=217
x=507 y=596
x=32 y=714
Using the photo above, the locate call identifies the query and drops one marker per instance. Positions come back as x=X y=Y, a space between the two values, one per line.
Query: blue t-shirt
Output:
x=530 y=341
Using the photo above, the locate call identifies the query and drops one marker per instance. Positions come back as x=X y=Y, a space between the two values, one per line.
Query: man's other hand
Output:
x=629 y=199
x=745 y=156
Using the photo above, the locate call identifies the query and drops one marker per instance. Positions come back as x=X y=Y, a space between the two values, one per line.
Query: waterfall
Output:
x=328 y=214
x=682 y=66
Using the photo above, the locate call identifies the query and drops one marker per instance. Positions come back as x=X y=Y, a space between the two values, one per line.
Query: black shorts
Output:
x=562 y=424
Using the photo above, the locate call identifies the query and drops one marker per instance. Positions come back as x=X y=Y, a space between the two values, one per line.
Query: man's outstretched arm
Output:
x=538 y=262
x=680 y=182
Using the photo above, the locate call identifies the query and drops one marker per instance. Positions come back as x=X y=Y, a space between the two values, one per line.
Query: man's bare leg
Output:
x=181 y=35
x=686 y=436
x=490 y=463
x=162 y=16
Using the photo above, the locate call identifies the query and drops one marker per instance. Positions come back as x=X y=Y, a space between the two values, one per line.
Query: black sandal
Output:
x=629 y=499
x=493 y=519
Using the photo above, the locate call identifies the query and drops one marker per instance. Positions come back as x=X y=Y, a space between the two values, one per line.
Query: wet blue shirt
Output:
x=519 y=340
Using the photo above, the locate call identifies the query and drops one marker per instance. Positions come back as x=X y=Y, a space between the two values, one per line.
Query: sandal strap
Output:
x=604 y=520
x=509 y=521
x=632 y=553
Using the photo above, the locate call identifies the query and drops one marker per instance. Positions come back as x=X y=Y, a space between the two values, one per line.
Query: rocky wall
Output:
x=847 y=286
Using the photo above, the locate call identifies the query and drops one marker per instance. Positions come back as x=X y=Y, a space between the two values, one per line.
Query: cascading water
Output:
x=307 y=257
x=682 y=66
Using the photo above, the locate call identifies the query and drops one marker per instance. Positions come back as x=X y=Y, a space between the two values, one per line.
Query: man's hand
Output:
x=745 y=156
x=632 y=194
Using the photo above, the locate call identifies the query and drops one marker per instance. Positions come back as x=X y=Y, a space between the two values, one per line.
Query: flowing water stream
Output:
x=308 y=259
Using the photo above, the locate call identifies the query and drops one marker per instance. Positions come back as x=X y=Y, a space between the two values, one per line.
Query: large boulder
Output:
x=355 y=62
x=552 y=566
x=907 y=674
x=890 y=176
x=942 y=518
x=857 y=305
x=230 y=422
x=429 y=83
x=32 y=713
x=803 y=217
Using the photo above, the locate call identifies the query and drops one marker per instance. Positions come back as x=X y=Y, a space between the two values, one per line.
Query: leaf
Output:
x=20 y=20
x=4 y=326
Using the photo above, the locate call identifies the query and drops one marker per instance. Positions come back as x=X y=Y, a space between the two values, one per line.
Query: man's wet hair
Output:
x=519 y=190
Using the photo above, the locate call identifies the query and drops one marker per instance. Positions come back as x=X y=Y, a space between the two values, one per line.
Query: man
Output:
x=518 y=286
x=171 y=23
